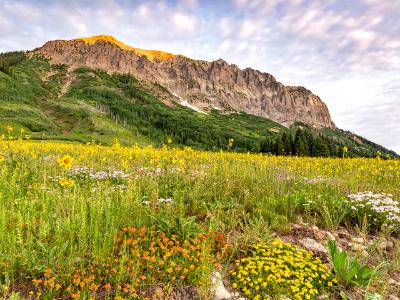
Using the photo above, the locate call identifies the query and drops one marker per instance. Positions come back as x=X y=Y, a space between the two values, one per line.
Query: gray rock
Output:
x=358 y=240
x=386 y=245
x=343 y=234
x=330 y=236
x=313 y=245
x=315 y=228
x=391 y=281
x=318 y=233
x=356 y=247
x=220 y=292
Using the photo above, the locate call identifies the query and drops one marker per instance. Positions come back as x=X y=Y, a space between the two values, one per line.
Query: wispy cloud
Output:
x=348 y=52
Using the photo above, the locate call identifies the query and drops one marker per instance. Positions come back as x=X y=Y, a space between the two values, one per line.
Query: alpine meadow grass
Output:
x=85 y=220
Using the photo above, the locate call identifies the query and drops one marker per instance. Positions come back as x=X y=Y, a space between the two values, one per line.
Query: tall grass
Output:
x=244 y=196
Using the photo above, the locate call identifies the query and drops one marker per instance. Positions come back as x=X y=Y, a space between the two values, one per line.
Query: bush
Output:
x=141 y=259
x=278 y=270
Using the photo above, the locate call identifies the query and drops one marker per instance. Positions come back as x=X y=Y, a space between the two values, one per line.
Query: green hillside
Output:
x=51 y=102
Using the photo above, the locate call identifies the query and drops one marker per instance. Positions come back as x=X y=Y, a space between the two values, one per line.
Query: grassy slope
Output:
x=51 y=103
x=100 y=107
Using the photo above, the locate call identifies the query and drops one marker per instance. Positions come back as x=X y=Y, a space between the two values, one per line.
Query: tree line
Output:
x=303 y=143
x=9 y=59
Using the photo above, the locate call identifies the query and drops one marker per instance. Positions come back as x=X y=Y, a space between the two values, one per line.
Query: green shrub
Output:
x=277 y=269
x=348 y=270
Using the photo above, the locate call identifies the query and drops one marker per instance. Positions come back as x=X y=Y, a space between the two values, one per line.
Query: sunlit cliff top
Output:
x=150 y=54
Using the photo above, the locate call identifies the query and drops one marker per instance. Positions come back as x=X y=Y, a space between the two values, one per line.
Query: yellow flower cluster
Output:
x=67 y=183
x=280 y=269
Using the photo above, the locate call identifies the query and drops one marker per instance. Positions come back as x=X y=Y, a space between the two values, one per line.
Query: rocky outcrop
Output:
x=204 y=84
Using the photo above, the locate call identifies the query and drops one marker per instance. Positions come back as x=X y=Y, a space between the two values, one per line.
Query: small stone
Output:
x=358 y=240
x=312 y=245
x=391 y=297
x=330 y=236
x=356 y=247
x=237 y=296
x=364 y=253
x=314 y=228
x=296 y=226
x=343 y=234
x=386 y=245
x=318 y=234
x=220 y=292
x=391 y=281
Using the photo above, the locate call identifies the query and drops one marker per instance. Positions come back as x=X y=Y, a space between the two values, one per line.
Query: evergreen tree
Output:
x=267 y=146
x=300 y=144
x=340 y=152
x=287 y=144
x=321 y=147
x=310 y=141
x=279 y=147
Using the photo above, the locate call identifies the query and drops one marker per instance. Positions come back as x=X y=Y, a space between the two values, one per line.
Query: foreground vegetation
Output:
x=91 y=221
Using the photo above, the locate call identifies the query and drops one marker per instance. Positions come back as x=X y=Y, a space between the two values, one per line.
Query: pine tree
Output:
x=310 y=141
x=321 y=147
x=300 y=144
x=340 y=152
x=287 y=144
x=279 y=147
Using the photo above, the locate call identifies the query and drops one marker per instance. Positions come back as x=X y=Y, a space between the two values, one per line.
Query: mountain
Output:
x=101 y=89
x=203 y=84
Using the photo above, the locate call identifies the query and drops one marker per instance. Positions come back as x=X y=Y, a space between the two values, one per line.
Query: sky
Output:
x=345 y=51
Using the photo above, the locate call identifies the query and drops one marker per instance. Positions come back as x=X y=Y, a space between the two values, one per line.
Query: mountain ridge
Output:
x=56 y=102
x=150 y=54
x=201 y=83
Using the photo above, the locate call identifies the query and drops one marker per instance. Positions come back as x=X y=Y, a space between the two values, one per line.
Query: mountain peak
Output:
x=202 y=84
x=150 y=54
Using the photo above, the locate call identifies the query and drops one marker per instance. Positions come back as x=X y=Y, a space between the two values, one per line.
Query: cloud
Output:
x=184 y=22
x=348 y=52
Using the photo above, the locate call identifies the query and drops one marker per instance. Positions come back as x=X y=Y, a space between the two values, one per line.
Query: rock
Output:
x=358 y=240
x=386 y=245
x=364 y=253
x=330 y=236
x=203 y=84
x=237 y=296
x=318 y=234
x=220 y=291
x=391 y=281
x=343 y=234
x=391 y=297
x=296 y=227
x=313 y=245
x=356 y=247
x=314 y=228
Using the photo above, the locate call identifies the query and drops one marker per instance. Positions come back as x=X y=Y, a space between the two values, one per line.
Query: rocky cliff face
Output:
x=204 y=84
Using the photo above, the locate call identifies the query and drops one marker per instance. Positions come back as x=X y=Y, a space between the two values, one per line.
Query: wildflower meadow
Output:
x=86 y=221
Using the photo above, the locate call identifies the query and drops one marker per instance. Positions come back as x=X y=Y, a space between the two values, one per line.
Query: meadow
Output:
x=86 y=221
